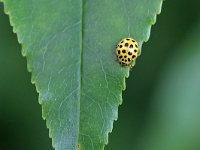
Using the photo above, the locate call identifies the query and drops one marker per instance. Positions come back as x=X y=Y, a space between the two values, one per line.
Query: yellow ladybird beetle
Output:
x=127 y=51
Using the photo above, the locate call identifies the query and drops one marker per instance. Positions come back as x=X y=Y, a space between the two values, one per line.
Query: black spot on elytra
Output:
x=131 y=46
x=129 y=53
x=123 y=51
x=125 y=56
x=133 y=41
x=136 y=45
x=135 y=50
x=122 y=41
x=133 y=56
x=125 y=60
x=126 y=44
x=129 y=59
x=120 y=57
x=118 y=51
x=127 y=39
x=120 y=46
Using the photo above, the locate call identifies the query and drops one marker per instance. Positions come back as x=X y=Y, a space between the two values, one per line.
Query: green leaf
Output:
x=69 y=46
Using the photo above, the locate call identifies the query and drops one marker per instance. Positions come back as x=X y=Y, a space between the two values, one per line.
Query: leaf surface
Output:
x=69 y=46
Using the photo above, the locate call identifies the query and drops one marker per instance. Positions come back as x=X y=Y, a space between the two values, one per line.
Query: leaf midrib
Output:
x=81 y=66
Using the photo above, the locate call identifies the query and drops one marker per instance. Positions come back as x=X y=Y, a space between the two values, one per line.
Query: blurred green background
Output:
x=161 y=104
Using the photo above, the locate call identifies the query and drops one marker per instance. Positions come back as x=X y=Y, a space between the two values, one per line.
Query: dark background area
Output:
x=146 y=117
